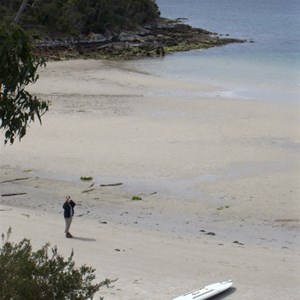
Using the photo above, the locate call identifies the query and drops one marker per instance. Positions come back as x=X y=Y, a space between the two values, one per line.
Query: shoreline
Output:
x=157 y=38
x=218 y=178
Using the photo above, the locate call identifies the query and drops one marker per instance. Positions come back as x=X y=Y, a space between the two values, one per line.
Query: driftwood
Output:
x=13 y=194
x=111 y=184
x=87 y=191
x=152 y=194
x=16 y=179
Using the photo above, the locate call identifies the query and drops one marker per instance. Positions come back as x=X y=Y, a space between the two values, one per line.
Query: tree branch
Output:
x=20 y=12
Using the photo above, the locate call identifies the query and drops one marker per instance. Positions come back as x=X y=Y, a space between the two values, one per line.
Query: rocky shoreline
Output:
x=158 y=38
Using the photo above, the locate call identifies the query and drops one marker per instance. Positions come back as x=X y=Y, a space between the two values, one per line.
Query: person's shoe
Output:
x=69 y=235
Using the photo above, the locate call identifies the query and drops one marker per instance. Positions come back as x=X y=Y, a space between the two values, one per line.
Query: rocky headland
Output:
x=154 y=39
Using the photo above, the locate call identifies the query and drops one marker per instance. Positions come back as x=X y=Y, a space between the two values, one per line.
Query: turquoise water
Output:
x=268 y=69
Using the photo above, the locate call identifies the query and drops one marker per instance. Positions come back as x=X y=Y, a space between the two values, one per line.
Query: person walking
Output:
x=68 y=207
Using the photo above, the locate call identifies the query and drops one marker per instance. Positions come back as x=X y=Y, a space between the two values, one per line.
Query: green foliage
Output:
x=18 y=69
x=30 y=275
x=86 y=178
x=136 y=198
x=82 y=16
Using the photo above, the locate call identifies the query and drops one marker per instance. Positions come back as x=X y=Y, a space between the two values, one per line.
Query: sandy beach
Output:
x=219 y=180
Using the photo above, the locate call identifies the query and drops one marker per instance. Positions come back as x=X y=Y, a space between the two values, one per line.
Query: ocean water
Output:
x=266 y=69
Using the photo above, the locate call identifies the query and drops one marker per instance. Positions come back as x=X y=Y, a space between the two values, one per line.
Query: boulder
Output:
x=95 y=37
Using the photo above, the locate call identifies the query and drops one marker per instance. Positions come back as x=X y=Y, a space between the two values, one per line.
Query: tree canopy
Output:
x=18 y=69
x=81 y=16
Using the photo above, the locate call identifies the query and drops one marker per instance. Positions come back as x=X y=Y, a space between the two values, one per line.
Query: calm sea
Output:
x=268 y=69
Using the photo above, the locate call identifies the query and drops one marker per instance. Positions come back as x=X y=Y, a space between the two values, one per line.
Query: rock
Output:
x=210 y=233
x=142 y=31
x=95 y=37
x=128 y=37
x=237 y=242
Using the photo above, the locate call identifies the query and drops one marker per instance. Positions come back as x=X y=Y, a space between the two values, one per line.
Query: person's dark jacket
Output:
x=69 y=209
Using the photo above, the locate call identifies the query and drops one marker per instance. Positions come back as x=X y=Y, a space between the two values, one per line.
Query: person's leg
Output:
x=68 y=224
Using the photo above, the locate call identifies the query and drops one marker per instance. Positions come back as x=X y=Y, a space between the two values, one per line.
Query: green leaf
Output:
x=18 y=68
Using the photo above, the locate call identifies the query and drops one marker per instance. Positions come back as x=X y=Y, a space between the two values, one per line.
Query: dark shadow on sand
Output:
x=83 y=239
x=224 y=294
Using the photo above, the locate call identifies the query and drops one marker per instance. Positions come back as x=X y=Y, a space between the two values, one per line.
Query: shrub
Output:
x=29 y=275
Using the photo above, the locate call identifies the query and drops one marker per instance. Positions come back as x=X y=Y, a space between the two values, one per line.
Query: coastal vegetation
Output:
x=18 y=67
x=74 y=17
x=28 y=274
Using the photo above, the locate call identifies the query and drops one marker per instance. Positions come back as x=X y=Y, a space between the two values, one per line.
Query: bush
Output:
x=29 y=275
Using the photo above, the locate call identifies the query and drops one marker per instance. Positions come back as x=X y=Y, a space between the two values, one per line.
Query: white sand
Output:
x=201 y=165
